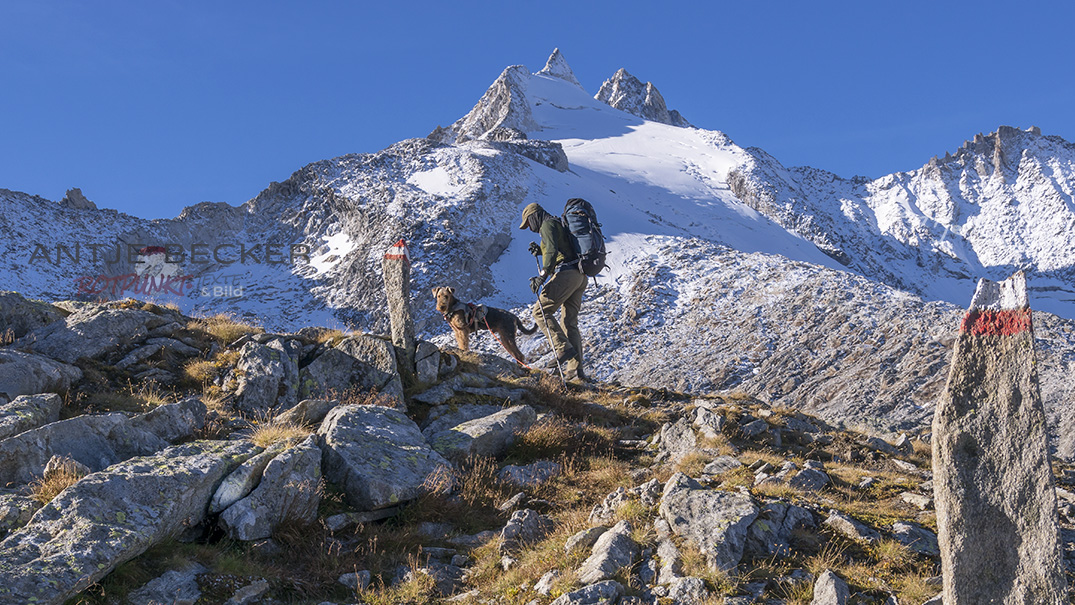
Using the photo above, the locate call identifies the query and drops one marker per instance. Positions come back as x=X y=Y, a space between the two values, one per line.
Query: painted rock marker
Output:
x=397 y=286
x=993 y=485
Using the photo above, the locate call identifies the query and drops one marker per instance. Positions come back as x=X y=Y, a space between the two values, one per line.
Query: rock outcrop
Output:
x=29 y=374
x=993 y=484
x=289 y=490
x=110 y=517
x=627 y=93
x=714 y=520
x=28 y=412
x=377 y=455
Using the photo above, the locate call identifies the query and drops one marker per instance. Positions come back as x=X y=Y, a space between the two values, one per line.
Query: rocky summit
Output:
x=483 y=483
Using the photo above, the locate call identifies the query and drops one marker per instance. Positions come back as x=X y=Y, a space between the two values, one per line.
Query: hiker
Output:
x=564 y=289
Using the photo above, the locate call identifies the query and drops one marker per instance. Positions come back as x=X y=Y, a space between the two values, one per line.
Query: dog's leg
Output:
x=462 y=338
x=508 y=338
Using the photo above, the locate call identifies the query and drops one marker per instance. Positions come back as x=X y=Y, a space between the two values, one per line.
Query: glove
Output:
x=536 y=283
x=534 y=249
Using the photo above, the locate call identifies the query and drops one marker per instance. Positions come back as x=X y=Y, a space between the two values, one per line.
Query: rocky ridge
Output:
x=631 y=495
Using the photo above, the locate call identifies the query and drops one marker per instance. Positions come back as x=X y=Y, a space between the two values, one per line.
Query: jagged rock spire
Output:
x=557 y=67
x=627 y=93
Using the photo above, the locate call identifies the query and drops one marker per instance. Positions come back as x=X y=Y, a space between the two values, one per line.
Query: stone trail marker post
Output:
x=993 y=484
x=397 y=286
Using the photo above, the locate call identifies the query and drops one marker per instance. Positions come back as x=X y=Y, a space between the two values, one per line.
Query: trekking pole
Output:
x=548 y=334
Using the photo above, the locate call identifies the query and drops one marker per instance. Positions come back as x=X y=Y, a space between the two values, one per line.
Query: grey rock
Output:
x=307 y=412
x=29 y=374
x=613 y=550
x=688 y=591
x=584 y=540
x=770 y=534
x=96 y=441
x=605 y=510
x=678 y=439
x=240 y=482
x=810 y=480
x=175 y=587
x=867 y=482
x=531 y=475
x=138 y=355
x=753 y=429
x=172 y=345
x=880 y=445
x=850 y=528
x=829 y=589
x=111 y=517
x=342 y=521
x=16 y=511
x=249 y=594
x=601 y=593
x=919 y=501
x=709 y=423
x=916 y=537
x=268 y=377
x=525 y=527
x=995 y=495
x=28 y=412
x=22 y=316
x=936 y=600
x=173 y=422
x=715 y=521
x=289 y=491
x=360 y=362
x=649 y=493
x=504 y=105
x=671 y=561
x=92 y=332
x=436 y=395
x=445 y=417
x=545 y=584
x=356 y=580
x=721 y=465
x=377 y=455
x=514 y=503
x=427 y=362
x=488 y=436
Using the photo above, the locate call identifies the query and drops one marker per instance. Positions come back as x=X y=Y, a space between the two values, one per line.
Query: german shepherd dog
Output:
x=463 y=320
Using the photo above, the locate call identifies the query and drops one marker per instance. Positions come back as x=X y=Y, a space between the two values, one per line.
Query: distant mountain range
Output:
x=727 y=270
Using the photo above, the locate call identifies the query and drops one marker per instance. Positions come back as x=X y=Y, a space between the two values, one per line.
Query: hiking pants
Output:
x=563 y=290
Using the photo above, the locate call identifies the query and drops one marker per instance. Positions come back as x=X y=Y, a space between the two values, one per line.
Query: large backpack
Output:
x=581 y=222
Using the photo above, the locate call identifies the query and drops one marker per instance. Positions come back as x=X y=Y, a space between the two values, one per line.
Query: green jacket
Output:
x=556 y=245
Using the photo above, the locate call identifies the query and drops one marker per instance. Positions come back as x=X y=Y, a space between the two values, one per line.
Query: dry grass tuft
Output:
x=692 y=464
x=7 y=337
x=45 y=489
x=273 y=431
x=554 y=436
x=224 y=328
x=552 y=393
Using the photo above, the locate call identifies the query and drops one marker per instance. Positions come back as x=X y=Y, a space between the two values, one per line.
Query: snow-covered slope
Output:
x=727 y=269
x=1003 y=202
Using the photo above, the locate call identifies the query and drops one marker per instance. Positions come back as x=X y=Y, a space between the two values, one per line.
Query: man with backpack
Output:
x=560 y=265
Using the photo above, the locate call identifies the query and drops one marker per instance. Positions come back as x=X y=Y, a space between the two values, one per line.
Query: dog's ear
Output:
x=435 y=291
x=450 y=290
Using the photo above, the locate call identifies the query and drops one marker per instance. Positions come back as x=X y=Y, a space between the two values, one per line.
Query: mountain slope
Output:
x=728 y=271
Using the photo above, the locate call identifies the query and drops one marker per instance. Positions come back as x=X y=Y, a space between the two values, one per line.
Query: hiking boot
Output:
x=561 y=360
x=577 y=376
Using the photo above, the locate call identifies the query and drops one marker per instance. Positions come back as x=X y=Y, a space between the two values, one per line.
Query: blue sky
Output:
x=153 y=106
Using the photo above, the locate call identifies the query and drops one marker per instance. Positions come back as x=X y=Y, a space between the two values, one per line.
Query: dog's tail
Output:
x=522 y=328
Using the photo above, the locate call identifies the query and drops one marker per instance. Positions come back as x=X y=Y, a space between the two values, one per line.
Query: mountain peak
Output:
x=627 y=93
x=557 y=67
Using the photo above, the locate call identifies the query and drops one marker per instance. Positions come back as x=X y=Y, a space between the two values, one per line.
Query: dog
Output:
x=466 y=319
